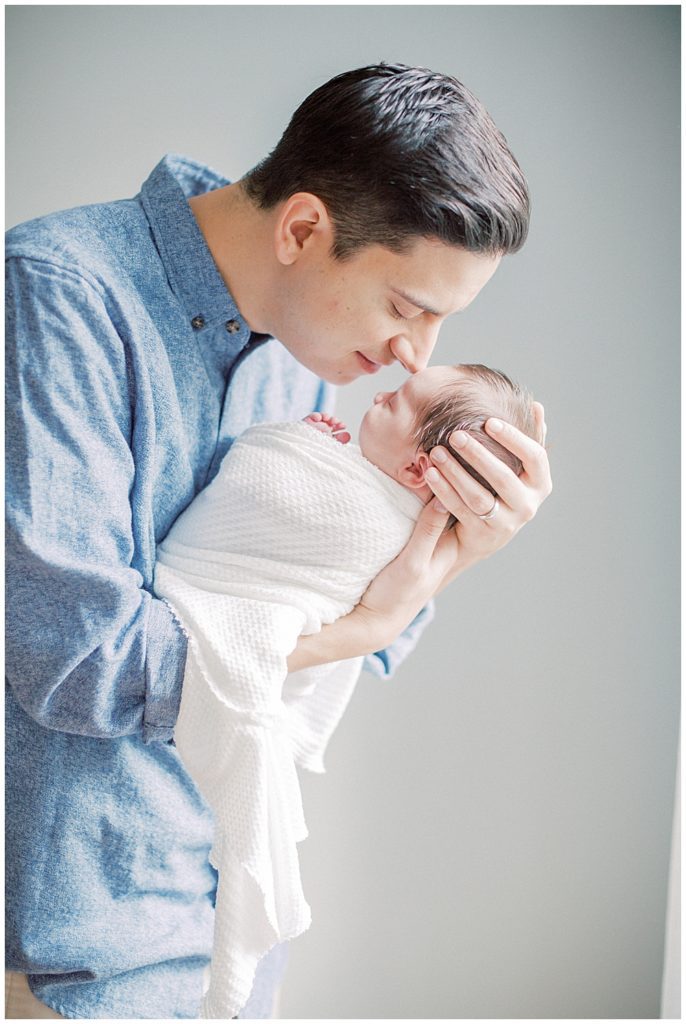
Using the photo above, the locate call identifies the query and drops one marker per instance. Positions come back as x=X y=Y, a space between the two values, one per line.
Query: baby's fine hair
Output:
x=466 y=404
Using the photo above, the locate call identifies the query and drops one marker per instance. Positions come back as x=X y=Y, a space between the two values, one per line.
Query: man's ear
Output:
x=303 y=221
x=412 y=475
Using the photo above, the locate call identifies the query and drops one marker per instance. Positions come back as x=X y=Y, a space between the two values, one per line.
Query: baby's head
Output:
x=402 y=426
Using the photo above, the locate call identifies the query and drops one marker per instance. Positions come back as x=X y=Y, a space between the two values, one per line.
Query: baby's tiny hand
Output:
x=329 y=425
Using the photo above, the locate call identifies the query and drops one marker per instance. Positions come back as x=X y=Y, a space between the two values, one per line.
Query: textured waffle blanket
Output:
x=284 y=540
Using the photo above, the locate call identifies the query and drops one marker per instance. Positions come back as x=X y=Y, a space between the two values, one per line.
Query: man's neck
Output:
x=239 y=236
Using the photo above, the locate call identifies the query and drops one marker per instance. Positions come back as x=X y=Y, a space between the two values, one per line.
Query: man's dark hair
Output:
x=396 y=153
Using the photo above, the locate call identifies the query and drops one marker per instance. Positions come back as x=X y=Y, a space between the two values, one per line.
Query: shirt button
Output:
x=233 y=326
x=197 y=322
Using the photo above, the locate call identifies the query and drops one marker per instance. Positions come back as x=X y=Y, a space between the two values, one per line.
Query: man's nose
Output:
x=414 y=350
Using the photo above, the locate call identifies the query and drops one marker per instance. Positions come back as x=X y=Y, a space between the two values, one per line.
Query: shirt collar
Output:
x=192 y=272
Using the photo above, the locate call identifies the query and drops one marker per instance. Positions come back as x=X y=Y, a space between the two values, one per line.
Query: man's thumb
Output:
x=430 y=525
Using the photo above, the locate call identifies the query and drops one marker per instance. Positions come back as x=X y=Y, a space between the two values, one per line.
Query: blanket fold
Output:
x=284 y=540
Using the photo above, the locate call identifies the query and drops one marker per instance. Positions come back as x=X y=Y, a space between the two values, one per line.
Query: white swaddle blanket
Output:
x=284 y=540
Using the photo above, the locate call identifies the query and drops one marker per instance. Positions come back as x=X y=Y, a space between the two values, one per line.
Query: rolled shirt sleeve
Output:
x=88 y=649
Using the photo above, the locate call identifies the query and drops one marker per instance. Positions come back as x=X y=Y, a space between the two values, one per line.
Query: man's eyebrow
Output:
x=419 y=303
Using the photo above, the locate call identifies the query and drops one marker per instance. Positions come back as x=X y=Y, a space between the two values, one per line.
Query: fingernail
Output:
x=438 y=506
x=495 y=425
x=459 y=439
x=438 y=455
x=433 y=475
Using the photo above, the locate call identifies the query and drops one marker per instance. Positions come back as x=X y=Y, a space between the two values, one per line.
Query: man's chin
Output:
x=345 y=373
x=339 y=377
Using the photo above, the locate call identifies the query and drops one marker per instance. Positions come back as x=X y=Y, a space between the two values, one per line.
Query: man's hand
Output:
x=520 y=497
x=433 y=557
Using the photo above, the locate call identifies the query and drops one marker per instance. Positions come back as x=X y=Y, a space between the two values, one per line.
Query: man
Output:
x=141 y=341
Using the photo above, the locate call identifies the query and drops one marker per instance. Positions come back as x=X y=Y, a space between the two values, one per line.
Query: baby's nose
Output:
x=381 y=397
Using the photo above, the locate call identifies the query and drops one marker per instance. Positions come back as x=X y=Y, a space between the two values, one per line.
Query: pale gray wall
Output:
x=492 y=839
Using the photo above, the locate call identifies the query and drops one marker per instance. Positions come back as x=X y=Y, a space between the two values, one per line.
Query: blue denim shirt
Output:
x=130 y=371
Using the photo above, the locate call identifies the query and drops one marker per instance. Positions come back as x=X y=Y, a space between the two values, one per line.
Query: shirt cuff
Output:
x=384 y=663
x=164 y=671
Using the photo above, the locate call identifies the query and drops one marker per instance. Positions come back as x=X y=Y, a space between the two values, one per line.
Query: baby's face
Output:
x=386 y=432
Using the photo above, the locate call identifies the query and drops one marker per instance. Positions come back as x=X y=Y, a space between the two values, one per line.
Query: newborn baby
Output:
x=401 y=427
x=285 y=539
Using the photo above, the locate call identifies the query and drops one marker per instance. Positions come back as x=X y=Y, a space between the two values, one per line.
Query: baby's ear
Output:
x=412 y=475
